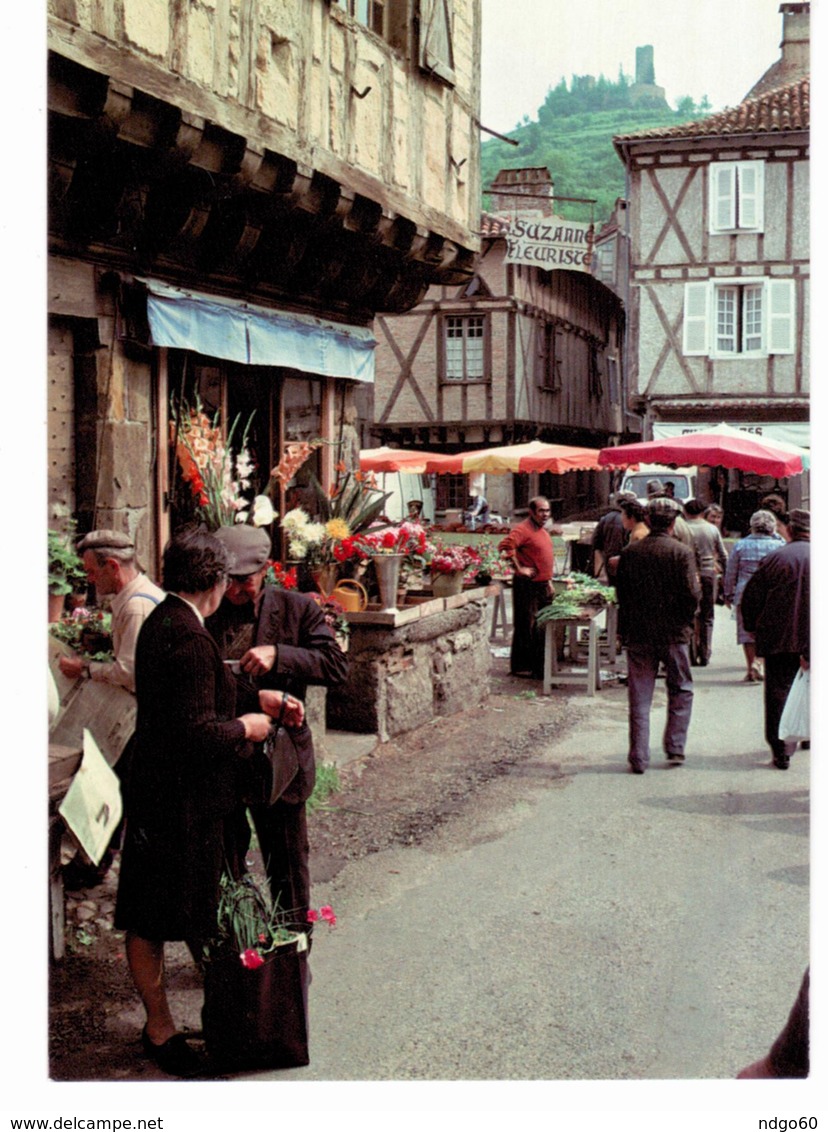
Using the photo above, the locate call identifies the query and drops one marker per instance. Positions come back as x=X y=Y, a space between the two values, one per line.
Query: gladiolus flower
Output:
x=251 y=959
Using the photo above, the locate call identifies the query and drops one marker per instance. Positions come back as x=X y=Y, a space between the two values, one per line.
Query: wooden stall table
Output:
x=501 y=629
x=595 y=619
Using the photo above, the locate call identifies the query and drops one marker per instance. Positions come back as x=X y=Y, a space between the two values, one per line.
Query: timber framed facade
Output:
x=719 y=318
x=516 y=354
x=294 y=168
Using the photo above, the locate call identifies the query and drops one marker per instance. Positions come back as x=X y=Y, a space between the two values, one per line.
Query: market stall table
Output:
x=595 y=619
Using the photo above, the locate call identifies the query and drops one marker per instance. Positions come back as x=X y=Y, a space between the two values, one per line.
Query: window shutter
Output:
x=751 y=195
x=781 y=312
x=696 y=297
x=436 y=53
x=722 y=198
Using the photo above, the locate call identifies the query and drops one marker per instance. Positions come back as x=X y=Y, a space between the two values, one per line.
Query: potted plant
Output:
x=448 y=563
x=65 y=570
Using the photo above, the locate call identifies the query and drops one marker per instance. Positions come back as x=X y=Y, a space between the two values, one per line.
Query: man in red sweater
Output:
x=529 y=546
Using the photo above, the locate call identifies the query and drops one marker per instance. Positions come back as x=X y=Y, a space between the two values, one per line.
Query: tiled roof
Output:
x=785 y=108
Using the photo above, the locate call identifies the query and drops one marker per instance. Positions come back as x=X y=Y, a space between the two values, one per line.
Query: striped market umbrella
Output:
x=536 y=456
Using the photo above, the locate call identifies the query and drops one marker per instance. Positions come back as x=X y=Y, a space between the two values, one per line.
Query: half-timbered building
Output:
x=236 y=188
x=516 y=353
x=719 y=313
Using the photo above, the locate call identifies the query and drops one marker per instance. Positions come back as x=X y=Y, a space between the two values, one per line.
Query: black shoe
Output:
x=805 y=745
x=675 y=758
x=174 y=1056
x=636 y=768
x=781 y=762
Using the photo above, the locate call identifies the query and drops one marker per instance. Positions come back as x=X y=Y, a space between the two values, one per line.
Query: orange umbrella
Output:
x=536 y=456
x=400 y=460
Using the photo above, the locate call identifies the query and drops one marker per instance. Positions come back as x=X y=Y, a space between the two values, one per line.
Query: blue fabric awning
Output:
x=252 y=335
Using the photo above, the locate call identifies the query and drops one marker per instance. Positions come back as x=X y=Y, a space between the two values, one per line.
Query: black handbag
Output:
x=270 y=770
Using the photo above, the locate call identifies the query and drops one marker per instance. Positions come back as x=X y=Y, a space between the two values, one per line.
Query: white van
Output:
x=683 y=480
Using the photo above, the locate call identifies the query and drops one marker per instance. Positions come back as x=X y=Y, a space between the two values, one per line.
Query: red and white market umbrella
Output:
x=399 y=460
x=722 y=446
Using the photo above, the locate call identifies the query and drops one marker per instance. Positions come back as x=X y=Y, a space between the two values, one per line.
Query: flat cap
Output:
x=249 y=547
x=654 y=486
x=105 y=540
x=663 y=505
x=800 y=520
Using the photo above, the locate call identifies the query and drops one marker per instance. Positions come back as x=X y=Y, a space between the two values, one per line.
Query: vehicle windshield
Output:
x=638 y=484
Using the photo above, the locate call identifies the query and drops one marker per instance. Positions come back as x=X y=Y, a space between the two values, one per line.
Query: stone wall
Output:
x=402 y=676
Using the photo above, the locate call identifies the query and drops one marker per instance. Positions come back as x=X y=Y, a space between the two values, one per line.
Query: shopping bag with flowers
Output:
x=255 y=1013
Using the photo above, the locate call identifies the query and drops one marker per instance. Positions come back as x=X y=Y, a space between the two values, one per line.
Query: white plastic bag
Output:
x=795 y=722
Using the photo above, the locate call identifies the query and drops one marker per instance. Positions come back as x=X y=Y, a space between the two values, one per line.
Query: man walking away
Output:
x=710 y=551
x=776 y=607
x=658 y=592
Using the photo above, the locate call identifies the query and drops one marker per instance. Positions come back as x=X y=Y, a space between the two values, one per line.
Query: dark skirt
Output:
x=169 y=881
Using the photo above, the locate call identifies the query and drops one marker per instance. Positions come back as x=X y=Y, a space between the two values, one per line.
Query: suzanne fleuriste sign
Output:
x=549 y=242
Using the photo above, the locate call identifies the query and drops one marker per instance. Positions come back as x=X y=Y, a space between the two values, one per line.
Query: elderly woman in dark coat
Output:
x=183 y=781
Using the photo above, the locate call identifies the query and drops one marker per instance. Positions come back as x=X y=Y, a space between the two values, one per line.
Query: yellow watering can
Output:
x=351 y=595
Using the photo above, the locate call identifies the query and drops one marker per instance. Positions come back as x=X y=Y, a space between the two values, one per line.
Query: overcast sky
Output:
x=713 y=47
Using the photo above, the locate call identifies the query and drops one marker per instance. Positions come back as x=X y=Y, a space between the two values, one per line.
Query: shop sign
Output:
x=550 y=243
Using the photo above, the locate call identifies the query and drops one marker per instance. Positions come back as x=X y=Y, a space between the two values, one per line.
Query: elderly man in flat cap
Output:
x=658 y=592
x=109 y=561
x=776 y=608
x=111 y=567
x=281 y=640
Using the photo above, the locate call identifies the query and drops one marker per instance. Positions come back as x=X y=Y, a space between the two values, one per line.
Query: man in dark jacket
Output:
x=281 y=640
x=776 y=607
x=658 y=591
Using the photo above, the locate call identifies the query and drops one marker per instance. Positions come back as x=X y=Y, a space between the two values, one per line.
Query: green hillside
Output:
x=572 y=136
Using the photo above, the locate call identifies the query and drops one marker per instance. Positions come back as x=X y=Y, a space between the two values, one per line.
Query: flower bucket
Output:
x=387 y=567
x=325 y=578
x=257 y=1018
x=351 y=595
x=446 y=585
x=56 y=607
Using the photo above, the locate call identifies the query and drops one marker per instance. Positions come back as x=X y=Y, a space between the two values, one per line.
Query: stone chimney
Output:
x=535 y=184
x=796 y=36
x=795 y=60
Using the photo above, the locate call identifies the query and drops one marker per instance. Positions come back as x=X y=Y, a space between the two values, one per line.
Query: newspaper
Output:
x=105 y=709
x=92 y=807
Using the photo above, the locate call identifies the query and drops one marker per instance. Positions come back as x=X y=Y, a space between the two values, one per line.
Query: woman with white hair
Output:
x=741 y=565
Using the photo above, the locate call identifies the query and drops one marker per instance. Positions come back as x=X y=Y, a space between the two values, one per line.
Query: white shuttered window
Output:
x=737 y=197
x=735 y=318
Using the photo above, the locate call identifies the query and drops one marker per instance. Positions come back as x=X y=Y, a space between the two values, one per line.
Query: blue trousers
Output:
x=642 y=668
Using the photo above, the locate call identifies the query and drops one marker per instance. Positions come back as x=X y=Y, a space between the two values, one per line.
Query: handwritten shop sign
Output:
x=549 y=243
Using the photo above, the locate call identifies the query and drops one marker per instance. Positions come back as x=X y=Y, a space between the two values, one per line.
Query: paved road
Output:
x=581 y=922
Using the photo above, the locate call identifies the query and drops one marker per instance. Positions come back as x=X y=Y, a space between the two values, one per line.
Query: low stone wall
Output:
x=429 y=659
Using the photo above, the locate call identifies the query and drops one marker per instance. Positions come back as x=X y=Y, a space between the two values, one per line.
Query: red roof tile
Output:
x=491 y=225
x=785 y=108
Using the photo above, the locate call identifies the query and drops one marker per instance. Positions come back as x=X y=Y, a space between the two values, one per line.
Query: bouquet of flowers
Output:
x=311 y=541
x=252 y=927
x=448 y=558
x=492 y=562
x=220 y=479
